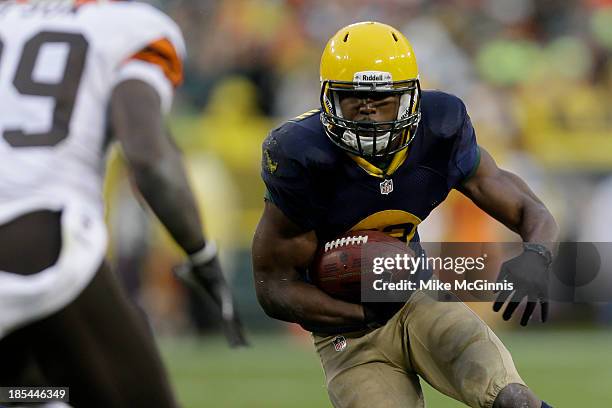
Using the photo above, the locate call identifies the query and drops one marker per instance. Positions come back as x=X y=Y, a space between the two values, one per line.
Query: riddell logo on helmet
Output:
x=372 y=76
x=377 y=78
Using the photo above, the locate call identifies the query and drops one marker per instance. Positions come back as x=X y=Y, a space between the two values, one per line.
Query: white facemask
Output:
x=367 y=142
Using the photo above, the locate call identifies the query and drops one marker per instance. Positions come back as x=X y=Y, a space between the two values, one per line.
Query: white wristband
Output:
x=205 y=254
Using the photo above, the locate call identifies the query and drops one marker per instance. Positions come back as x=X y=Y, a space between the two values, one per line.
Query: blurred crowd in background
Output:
x=536 y=76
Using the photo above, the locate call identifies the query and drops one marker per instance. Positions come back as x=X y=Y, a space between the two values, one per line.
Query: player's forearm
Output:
x=302 y=303
x=164 y=186
x=535 y=223
x=538 y=225
x=137 y=122
x=508 y=199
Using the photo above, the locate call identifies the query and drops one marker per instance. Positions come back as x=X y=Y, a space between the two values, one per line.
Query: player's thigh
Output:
x=368 y=369
x=456 y=352
x=373 y=385
x=101 y=347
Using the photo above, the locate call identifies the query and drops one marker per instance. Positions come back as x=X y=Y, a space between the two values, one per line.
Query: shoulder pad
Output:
x=300 y=144
x=442 y=114
x=130 y=27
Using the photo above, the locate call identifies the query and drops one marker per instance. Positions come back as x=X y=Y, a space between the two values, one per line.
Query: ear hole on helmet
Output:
x=345 y=37
x=394 y=36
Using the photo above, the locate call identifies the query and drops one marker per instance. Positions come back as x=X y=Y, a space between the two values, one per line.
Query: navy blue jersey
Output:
x=322 y=188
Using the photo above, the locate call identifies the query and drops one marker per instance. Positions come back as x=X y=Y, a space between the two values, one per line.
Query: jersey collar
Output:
x=398 y=159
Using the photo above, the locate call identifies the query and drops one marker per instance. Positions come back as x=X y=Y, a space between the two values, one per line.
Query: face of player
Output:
x=369 y=106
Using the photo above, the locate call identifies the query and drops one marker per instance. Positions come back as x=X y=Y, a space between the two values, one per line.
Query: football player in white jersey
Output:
x=71 y=73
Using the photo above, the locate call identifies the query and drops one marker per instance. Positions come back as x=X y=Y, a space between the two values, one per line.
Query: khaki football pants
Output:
x=445 y=343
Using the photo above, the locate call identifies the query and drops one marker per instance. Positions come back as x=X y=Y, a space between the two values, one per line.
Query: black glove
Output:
x=529 y=272
x=205 y=277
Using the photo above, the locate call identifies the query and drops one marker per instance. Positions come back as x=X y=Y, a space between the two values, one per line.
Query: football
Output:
x=337 y=266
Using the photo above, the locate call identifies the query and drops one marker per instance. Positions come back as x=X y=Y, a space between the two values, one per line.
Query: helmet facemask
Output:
x=371 y=140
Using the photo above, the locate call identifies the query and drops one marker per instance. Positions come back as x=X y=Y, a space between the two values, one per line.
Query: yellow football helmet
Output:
x=370 y=57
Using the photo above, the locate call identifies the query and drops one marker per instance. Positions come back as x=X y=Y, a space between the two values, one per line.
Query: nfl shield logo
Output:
x=386 y=186
x=339 y=343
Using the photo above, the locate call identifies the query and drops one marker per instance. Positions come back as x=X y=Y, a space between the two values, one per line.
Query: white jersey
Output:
x=59 y=61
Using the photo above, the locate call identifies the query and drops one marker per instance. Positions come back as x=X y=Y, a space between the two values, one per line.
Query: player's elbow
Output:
x=265 y=297
x=270 y=308
x=266 y=288
x=269 y=297
x=151 y=171
x=151 y=159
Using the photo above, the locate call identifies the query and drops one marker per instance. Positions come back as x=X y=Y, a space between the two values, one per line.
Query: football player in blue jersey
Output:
x=381 y=154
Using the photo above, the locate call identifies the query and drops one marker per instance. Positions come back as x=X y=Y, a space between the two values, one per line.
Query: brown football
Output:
x=337 y=267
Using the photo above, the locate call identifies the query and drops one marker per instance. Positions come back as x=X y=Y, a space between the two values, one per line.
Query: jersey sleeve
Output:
x=287 y=181
x=163 y=54
x=465 y=154
x=151 y=49
x=157 y=64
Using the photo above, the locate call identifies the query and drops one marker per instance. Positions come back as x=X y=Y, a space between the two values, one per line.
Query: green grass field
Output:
x=567 y=368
